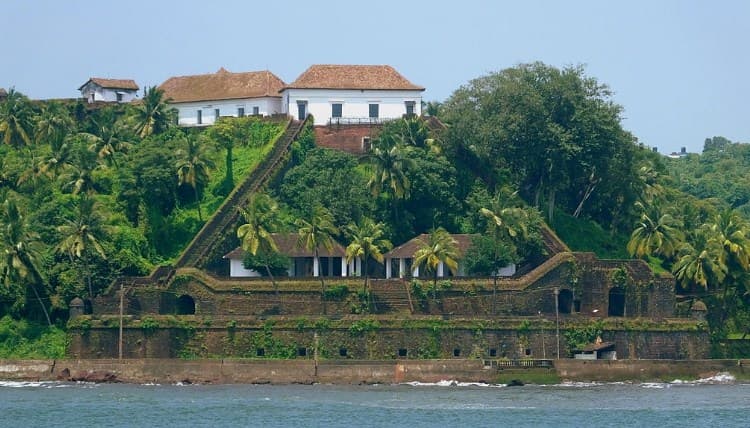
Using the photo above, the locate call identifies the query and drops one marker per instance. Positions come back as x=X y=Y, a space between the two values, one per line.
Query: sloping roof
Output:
x=327 y=76
x=113 y=83
x=407 y=249
x=593 y=347
x=287 y=245
x=3 y=93
x=222 y=85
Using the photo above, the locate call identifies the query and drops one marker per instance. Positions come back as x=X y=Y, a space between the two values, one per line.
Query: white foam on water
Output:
x=719 y=378
x=35 y=384
x=454 y=383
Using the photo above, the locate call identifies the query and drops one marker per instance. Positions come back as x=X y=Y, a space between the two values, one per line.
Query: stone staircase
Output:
x=391 y=296
x=228 y=213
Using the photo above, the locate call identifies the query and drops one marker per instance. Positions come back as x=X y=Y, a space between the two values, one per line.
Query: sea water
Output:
x=715 y=402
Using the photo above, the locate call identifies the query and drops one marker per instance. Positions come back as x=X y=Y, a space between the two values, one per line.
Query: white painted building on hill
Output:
x=201 y=99
x=351 y=94
x=97 y=89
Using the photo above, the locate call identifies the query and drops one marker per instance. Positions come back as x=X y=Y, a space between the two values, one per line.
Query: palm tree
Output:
x=656 y=233
x=316 y=231
x=367 y=243
x=19 y=253
x=389 y=171
x=16 y=119
x=730 y=231
x=109 y=137
x=79 y=175
x=54 y=124
x=440 y=248
x=699 y=263
x=153 y=115
x=261 y=217
x=81 y=233
x=193 y=165
x=59 y=158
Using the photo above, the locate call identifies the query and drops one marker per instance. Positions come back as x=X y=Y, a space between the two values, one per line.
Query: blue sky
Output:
x=679 y=68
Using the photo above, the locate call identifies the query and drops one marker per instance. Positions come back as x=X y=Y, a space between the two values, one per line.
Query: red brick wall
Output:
x=347 y=138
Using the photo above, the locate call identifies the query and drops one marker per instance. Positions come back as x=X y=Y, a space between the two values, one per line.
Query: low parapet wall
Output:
x=350 y=372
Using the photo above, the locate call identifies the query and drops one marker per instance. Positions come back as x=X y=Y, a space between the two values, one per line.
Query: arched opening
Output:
x=565 y=302
x=88 y=307
x=185 y=305
x=616 y=302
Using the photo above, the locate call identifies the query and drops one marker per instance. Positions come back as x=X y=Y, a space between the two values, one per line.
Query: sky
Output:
x=678 y=68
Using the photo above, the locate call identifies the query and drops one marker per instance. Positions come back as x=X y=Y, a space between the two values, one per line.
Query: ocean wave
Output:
x=719 y=378
x=35 y=384
x=454 y=383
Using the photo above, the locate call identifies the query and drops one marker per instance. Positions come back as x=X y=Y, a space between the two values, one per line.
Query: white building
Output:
x=200 y=100
x=109 y=90
x=399 y=262
x=302 y=263
x=351 y=94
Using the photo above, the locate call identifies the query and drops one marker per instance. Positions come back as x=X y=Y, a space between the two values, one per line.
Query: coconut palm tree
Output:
x=389 y=164
x=261 y=220
x=440 y=248
x=193 y=166
x=700 y=263
x=153 y=115
x=656 y=233
x=81 y=233
x=16 y=119
x=54 y=124
x=316 y=231
x=20 y=253
x=109 y=139
x=366 y=242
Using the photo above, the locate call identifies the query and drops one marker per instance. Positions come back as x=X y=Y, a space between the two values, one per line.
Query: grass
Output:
x=529 y=376
x=588 y=236
x=21 y=339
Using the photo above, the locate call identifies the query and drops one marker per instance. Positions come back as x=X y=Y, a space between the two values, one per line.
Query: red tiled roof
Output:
x=407 y=249
x=287 y=245
x=326 y=76
x=112 y=83
x=222 y=85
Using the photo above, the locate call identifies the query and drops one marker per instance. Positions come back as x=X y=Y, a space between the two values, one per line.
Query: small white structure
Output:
x=303 y=263
x=399 y=261
x=351 y=94
x=97 y=89
x=200 y=100
x=596 y=351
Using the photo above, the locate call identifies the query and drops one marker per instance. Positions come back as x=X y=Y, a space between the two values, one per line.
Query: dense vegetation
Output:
x=89 y=194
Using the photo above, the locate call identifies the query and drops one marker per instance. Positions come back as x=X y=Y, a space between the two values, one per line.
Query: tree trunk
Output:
x=198 y=201
x=589 y=190
x=494 y=293
x=44 y=308
x=551 y=205
x=322 y=283
x=273 y=281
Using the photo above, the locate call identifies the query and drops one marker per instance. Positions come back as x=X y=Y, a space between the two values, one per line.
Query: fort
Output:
x=195 y=309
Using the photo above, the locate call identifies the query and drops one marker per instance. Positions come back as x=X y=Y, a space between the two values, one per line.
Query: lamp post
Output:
x=122 y=304
x=556 y=291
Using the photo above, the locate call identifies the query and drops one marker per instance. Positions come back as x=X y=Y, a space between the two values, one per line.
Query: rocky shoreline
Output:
x=355 y=372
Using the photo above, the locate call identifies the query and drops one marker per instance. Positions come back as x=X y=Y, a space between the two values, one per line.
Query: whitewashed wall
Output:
x=237 y=269
x=355 y=103
x=106 y=95
x=188 y=112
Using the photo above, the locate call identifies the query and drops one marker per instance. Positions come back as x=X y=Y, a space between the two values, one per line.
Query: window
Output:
x=336 y=110
x=374 y=111
x=366 y=144
x=256 y=110
x=217 y=113
x=410 y=108
x=240 y=111
x=402 y=352
x=119 y=97
x=200 y=117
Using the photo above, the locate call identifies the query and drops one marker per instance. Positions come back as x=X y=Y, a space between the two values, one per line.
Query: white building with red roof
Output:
x=98 y=89
x=351 y=94
x=201 y=99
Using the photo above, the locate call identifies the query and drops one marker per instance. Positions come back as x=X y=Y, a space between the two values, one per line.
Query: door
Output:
x=301 y=110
